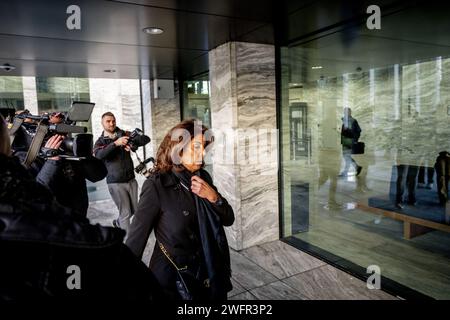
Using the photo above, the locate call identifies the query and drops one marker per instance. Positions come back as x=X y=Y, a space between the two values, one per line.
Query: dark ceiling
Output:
x=34 y=36
x=35 y=39
x=412 y=31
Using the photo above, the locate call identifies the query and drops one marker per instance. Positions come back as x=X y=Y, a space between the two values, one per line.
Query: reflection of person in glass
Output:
x=329 y=171
x=350 y=133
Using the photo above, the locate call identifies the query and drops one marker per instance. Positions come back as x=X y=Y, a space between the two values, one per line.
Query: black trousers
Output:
x=411 y=174
x=430 y=174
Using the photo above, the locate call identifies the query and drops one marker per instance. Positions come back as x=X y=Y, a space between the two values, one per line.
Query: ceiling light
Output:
x=316 y=67
x=7 y=67
x=153 y=30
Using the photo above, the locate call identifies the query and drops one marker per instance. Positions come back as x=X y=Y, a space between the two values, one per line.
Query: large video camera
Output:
x=77 y=144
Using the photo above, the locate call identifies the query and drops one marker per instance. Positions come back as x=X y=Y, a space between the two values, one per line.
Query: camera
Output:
x=31 y=133
x=136 y=139
x=142 y=167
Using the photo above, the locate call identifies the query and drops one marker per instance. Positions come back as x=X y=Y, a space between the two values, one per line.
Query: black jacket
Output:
x=171 y=212
x=353 y=132
x=66 y=179
x=117 y=160
x=40 y=239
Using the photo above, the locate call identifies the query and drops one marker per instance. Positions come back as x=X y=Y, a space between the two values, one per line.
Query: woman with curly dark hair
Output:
x=180 y=203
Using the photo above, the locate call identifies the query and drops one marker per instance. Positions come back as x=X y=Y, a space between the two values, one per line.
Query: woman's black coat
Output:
x=170 y=211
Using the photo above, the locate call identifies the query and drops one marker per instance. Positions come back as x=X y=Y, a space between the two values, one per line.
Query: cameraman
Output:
x=112 y=147
x=40 y=239
x=66 y=179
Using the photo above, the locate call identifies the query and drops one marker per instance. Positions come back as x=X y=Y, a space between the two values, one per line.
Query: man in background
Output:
x=350 y=133
x=113 y=149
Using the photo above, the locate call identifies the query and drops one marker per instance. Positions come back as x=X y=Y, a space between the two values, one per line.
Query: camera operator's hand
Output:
x=127 y=148
x=54 y=143
x=121 y=142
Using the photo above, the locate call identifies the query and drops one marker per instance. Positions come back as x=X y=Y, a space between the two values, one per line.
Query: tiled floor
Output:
x=272 y=271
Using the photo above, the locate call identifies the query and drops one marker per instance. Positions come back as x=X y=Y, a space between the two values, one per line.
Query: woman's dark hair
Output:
x=173 y=143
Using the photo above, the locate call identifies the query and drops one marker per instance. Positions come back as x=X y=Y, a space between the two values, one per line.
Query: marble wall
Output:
x=29 y=94
x=243 y=111
x=397 y=107
x=165 y=114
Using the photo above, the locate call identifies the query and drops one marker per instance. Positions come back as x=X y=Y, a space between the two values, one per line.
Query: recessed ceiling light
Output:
x=109 y=70
x=316 y=67
x=7 y=67
x=153 y=30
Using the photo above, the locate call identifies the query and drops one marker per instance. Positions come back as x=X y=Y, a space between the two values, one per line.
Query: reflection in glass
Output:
x=388 y=205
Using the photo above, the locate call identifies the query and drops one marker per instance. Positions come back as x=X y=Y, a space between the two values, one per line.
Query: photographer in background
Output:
x=40 y=240
x=113 y=147
x=66 y=179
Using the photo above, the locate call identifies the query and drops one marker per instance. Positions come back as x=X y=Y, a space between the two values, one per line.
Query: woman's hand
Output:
x=203 y=189
x=54 y=143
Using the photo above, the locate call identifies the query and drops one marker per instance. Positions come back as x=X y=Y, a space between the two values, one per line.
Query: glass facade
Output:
x=385 y=205
x=57 y=94
x=11 y=93
x=196 y=95
x=120 y=96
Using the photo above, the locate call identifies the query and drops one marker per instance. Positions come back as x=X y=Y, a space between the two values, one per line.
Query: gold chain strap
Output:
x=163 y=249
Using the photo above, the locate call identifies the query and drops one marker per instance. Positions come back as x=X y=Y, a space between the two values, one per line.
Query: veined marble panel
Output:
x=165 y=115
x=226 y=180
x=242 y=79
x=30 y=94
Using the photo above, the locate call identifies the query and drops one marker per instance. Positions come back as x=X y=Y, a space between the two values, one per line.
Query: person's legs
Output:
x=120 y=195
x=400 y=187
x=430 y=177
x=411 y=182
x=349 y=161
x=421 y=177
x=347 y=155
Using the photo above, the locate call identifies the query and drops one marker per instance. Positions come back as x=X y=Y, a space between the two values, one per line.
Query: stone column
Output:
x=30 y=94
x=165 y=114
x=243 y=114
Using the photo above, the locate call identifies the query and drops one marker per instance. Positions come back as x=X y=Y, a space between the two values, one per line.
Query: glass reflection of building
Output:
x=397 y=83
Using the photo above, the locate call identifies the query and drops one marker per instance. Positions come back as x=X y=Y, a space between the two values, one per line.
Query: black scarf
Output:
x=214 y=241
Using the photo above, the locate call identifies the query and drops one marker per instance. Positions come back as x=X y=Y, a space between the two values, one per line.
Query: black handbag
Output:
x=358 y=148
x=182 y=287
x=182 y=282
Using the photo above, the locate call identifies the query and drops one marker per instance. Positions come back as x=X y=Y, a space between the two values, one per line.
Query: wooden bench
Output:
x=412 y=226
